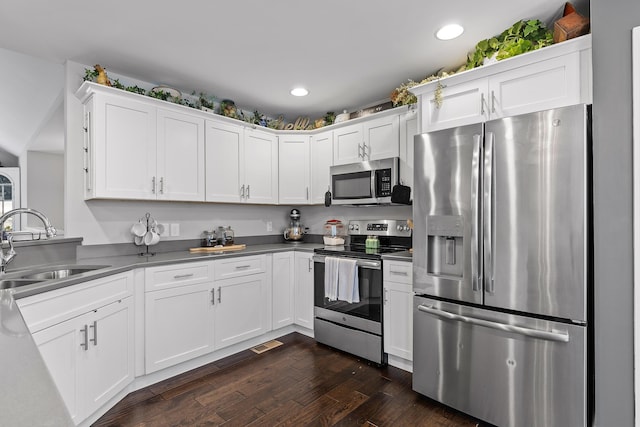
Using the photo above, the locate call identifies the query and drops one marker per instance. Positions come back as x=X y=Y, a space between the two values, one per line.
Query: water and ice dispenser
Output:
x=445 y=246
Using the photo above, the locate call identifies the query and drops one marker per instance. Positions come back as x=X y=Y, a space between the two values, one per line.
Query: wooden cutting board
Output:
x=210 y=249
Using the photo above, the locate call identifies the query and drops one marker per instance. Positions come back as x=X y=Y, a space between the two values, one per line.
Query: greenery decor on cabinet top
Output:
x=521 y=37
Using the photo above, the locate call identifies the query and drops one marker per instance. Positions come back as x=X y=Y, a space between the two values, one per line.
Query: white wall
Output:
x=45 y=187
x=109 y=221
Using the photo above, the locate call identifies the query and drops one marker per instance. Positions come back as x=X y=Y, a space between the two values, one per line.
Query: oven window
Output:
x=356 y=185
x=369 y=286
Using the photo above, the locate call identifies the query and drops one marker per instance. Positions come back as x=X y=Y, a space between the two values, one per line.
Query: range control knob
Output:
x=399 y=227
x=351 y=227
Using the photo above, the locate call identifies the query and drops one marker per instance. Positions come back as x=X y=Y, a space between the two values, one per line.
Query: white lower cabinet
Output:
x=398 y=309
x=304 y=289
x=179 y=313
x=283 y=286
x=90 y=357
x=178 y=325
x=243 y=309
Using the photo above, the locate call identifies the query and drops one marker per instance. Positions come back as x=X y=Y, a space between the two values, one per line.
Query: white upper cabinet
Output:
x=260 y=167
x=120 y=148
x=223 y=143
x=293 y=172
x=321 y=161
x=408 y=129
x=180 y=155
x=367 y=140
x=551 y=77
x=241 y=164
x=134 y=150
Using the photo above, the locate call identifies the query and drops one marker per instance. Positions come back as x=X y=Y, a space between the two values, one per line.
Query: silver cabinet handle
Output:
x=310 y=264
x=534 y=333
x=493 y=102
x=94 y=340
x=220 y=294
x=399 y=273
x=85 y=342
x=153 y=185
x=360 y=155
x=183 y=276
x=213 y=296
x=365 y=156
x=386 y=300
x=242 y=266
x=242 y=192
x=161 y=185
x=307 y=193
x=248 y=186
x=476 y=262
x=482 y=104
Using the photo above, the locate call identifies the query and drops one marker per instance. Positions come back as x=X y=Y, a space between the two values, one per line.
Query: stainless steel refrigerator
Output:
x=501 y=268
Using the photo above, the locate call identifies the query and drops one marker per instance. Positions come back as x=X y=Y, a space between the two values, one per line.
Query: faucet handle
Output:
x=50 y=231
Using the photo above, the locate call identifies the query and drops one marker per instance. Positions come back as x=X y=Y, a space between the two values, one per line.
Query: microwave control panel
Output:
x=383 y=182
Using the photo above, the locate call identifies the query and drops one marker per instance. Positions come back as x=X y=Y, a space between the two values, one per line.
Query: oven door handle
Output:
x=364 y=263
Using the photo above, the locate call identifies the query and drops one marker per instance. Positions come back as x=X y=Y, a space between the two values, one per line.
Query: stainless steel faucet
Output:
x=6 y=258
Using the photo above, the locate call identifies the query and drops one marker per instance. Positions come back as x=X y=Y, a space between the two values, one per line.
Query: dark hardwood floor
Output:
x=300 y=383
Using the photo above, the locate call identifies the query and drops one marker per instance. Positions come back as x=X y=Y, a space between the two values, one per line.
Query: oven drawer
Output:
x=363 y=344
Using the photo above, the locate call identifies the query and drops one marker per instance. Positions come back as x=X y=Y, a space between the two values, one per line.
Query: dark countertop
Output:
x=28 y=395
x=399 y=256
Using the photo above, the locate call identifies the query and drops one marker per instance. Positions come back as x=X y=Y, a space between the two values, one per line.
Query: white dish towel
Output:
x=348 y=280
x=331 y=278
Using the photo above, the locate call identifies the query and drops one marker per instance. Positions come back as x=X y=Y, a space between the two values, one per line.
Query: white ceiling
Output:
x=349 y=54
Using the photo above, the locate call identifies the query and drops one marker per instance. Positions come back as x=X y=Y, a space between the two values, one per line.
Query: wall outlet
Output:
x=269 y=226
x=175 y=229
x=163 y=228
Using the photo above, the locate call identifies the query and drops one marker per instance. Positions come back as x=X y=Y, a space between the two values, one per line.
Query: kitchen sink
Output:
x=16 y=283
x=60 y=272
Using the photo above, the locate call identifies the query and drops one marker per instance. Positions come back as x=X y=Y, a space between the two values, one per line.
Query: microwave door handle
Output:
x=476 y=261
x=373 y=185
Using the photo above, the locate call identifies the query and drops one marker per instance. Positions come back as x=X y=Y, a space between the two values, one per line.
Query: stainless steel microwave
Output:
x=364 y=183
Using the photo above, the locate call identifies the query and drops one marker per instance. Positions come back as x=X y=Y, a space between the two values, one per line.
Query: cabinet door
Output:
x=381 y=138
x=398 y=322
x=348 y=144
x=293 y=170
x=178 y=324
x=538 y=86
x=222 y=159
x=107 y=366
x=304 y=290
x=60 y=348
x=124 y=148
x=283 y=297
x=180 y=148
x=462 y=104
x=408 y=129
x=260 y=167
x=321 y=160
x=242 y=309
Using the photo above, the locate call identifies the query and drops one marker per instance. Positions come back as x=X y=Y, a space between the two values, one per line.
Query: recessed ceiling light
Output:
x=449 y=32
x=299 y=91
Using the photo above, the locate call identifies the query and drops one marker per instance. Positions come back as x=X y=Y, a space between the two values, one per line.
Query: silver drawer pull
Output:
x=399 y=273
x=183 y=276
x=94 y=340
x=213 y=296
x=85 y=344
x=242 y=266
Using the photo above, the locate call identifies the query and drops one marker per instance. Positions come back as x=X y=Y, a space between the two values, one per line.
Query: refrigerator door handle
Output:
x=476 y=261
x=488 y=211
x=533 y=333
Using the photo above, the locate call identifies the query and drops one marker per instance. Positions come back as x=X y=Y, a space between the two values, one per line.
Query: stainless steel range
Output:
x=356 y=326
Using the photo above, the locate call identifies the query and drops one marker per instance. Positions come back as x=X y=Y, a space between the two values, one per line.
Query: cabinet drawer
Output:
x=242 y=266
x=169 y=276
x=398 y=271
x=49 y=308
